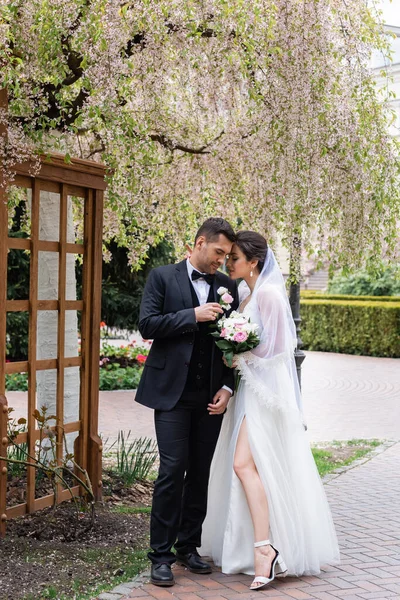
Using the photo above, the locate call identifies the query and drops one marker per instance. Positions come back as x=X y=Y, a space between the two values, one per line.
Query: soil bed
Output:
x=38 y=561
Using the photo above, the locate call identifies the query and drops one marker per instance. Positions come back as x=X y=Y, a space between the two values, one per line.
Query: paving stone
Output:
x=122 y=589
x=366 y=498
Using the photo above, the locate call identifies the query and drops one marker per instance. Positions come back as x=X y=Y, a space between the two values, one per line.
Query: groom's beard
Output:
x=203 y=267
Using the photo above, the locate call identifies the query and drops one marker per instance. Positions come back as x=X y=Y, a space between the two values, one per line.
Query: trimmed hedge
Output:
x=315 y=295
x=369 y=328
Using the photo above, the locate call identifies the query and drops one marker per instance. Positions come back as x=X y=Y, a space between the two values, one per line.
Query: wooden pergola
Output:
x=76 y=179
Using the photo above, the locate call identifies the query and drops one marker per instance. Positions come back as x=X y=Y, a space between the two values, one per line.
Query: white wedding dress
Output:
x=268 y=396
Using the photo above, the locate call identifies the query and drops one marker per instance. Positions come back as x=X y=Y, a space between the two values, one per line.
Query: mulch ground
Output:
x=57 y=553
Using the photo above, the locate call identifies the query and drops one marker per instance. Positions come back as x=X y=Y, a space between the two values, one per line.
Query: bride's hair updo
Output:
x=253 y=245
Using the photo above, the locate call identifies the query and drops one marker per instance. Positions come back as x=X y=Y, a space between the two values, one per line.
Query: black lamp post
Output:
x=294 y=299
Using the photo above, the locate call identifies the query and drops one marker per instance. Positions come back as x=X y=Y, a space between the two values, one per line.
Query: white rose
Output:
x=235 y=314
x=222 y=290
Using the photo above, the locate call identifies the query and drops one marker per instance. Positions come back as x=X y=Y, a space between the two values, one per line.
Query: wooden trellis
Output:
x=77 y=179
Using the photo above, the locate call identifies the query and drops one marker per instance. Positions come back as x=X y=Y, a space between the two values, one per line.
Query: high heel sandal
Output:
x=276 y=561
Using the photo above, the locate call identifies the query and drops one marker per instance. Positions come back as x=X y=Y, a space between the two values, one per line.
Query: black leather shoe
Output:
x=161 y=574
x=193 y=562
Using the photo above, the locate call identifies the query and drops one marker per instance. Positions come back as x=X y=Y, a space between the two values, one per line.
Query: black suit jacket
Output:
x=167 y=316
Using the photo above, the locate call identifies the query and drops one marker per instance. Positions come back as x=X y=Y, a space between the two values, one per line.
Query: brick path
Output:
x=365 y=502
x=345 y=397
x=348 y=397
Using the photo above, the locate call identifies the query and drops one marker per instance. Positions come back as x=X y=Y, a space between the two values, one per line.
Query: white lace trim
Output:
x=263 y=394
x=258 y=362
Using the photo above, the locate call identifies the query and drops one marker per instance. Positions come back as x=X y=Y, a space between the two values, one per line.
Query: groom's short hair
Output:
x=213 y=227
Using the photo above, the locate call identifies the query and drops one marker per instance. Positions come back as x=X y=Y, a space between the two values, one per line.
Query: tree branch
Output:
x=163 y=140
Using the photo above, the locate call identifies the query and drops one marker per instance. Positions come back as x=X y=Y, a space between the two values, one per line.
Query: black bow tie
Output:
x=206 y=276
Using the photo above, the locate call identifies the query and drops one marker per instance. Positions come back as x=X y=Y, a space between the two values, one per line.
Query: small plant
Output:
x=46 y=463
x=16 y=452
x=17 y=382
x=129 y=355
x=113 y=377
x=135 y=458
x=49 y=593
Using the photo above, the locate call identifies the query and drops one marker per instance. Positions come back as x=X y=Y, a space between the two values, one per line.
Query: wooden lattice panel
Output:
x=78 y=179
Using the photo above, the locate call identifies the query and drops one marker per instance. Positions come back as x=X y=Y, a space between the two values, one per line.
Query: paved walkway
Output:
x=365 y=503
x=345 y=397
x=349 y=396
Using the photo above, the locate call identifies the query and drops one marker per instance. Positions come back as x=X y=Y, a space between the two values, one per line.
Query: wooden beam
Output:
x=95 y=445
x=79 y=173
x=22 y=438
x=3 y=464
x=81 y=442
x=75 y=248
x=3 y=326
x=3 y=250
x=40 y=503
x=19 y=244
x=32 y=345
x=62 y=286
x=23 y=305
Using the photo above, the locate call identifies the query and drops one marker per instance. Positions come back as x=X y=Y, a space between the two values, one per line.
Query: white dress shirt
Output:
x=202 y=289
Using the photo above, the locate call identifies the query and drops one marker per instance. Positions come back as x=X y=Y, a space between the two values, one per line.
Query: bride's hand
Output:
x=235 y=362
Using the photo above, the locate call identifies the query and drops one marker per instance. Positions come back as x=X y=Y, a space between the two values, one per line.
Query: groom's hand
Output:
x=207 y=312
x=219 y=402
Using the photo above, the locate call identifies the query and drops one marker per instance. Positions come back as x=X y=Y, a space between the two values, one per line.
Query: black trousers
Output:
x=186 y=436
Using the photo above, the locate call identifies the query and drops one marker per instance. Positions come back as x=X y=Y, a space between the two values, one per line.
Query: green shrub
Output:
x=17 y=382
x=353 y=327
x=17 y=330
x=362 y=283
x=315 y=295
x=113 y=377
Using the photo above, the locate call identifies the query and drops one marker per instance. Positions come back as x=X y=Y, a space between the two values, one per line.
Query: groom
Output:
x=188 y=385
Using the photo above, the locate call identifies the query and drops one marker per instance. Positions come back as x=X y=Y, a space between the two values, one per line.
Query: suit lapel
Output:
x=182 y=277
x=216 y=285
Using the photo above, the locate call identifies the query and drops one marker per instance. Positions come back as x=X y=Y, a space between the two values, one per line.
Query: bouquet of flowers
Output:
x=235 y=334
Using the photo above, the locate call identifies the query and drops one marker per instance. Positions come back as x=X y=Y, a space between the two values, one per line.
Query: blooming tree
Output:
x=264 y=112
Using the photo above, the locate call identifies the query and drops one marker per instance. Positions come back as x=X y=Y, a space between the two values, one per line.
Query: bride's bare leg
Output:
x=245 y=468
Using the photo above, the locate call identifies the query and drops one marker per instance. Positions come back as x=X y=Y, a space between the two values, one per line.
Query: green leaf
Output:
x=224 y=345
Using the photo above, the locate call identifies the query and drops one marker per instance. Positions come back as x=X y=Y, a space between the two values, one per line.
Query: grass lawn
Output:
x=340 y=454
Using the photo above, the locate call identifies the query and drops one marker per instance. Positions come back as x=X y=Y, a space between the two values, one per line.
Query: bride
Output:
x=267 y=509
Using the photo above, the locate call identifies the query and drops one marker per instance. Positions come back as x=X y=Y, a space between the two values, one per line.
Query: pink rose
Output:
x=240 y=336
x=227 y=298
x=223 y=332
